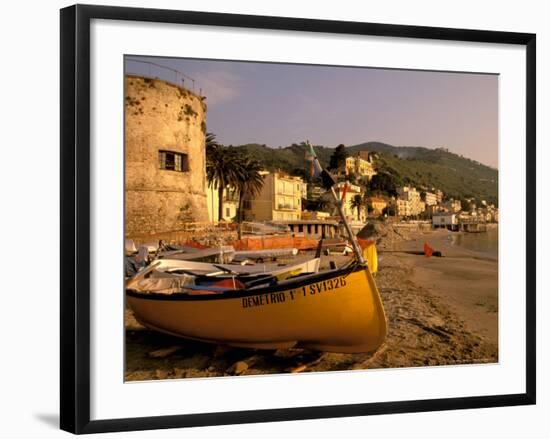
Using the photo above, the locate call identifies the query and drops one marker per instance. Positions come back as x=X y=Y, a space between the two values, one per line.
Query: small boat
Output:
x=264 y=255
x=208 y=269
x=265 y=228
x=222 y=254
x=335 y=311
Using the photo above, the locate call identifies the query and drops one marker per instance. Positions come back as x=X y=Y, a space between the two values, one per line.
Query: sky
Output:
x=280 y=104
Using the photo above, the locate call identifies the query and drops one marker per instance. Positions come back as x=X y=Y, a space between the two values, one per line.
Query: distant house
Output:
x=431 y=199
x=403 y=207
x=361 y=165
x=412 y=197
x=447 y=220
x=452 y=205
x=377 y=204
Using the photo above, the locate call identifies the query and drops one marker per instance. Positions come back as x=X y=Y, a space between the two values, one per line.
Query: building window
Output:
x=173 y=161
x=227 y=212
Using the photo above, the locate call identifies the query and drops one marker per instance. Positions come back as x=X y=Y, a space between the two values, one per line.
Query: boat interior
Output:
x=251 y=284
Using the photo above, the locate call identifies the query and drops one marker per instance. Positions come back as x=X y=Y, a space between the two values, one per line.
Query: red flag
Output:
x=428 y=251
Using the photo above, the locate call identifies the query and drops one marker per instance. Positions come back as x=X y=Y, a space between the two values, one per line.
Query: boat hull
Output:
x=335 y=312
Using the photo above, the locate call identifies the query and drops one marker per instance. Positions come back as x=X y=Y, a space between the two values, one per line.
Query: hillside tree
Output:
x=338 y=157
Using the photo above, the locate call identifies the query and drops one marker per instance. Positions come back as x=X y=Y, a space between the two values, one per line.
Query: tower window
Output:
x=173 y=161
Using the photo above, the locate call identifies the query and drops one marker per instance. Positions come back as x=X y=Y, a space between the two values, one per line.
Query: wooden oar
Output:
x=227 y=270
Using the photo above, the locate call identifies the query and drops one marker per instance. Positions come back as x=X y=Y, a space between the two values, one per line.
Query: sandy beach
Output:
x=440 y=311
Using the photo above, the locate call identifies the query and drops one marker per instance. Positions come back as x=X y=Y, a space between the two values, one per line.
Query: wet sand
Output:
x=464 y=280
x=440 y=311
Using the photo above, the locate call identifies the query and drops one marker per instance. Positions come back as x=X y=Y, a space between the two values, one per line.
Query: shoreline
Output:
x=440 y=311
x=463 y=280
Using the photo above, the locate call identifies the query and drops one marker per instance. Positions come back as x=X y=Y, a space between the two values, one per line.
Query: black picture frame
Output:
x=75 y=217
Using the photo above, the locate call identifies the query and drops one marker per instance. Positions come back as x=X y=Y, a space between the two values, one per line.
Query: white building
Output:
x=446 y=220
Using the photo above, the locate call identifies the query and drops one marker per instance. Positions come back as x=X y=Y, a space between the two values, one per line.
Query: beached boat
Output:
x=265 y=254
x=207 y=269
x=336 y=311
x=223 y=254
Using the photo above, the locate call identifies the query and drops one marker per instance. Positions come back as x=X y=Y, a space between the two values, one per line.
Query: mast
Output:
x=328 y=184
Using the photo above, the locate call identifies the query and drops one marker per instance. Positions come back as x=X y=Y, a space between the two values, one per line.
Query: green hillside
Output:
x=424 y=168
x=456 y=176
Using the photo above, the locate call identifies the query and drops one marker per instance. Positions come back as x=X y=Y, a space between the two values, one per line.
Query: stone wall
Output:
x=162 y=116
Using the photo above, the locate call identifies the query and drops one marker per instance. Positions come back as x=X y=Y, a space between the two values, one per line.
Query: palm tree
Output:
x=210 y=142
x=249 y=183
x=357 y=202
x=222 y=170
x=366 y=203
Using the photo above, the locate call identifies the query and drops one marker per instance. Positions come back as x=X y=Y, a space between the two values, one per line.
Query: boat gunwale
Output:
x=237 y=294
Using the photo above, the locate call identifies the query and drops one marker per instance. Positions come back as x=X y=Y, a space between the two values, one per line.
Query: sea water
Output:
x=484 y=242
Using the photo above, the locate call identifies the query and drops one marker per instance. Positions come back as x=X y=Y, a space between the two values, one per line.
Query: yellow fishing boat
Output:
x=335 y=311
x=339 y=310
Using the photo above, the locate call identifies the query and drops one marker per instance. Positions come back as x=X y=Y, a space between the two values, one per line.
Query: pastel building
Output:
x=431 y=199
x=403 y=207
x=412 y=196
x=452 y=205
x=279 y=200
x=361 y=165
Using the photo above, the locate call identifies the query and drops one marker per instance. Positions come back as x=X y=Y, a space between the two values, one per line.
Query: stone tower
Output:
x=165 y=162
